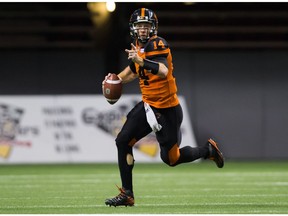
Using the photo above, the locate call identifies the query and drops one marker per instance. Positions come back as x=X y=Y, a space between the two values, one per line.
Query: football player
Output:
x=159 y=110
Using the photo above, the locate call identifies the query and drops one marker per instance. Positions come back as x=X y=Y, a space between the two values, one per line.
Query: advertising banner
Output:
x=72 y=129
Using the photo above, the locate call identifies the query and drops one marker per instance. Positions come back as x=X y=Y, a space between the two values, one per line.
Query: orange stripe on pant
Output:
x=174 y=154
x=132 y=142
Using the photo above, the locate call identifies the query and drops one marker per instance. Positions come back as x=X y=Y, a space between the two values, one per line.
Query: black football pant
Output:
x=169 y=137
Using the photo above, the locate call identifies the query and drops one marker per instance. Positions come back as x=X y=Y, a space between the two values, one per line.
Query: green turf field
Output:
x=197 y=188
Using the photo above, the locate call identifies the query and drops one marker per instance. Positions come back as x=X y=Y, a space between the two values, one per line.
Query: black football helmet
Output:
x=143 y=15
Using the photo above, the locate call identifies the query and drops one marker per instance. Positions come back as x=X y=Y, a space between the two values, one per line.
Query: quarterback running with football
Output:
x=159 y=111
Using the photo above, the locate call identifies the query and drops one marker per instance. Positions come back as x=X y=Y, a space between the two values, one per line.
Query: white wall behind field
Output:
x=71 y=129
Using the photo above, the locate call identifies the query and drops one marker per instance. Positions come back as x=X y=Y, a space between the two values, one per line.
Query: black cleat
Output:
x=125 y=198
x=215 y=154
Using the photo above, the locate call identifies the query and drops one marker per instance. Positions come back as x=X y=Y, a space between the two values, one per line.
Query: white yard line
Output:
x=153 y=196
x=147 y=204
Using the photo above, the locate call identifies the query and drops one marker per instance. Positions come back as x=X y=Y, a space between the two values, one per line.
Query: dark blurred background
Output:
x=230 y=62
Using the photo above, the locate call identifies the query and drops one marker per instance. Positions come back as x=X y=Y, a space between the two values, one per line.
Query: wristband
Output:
x=151 y=65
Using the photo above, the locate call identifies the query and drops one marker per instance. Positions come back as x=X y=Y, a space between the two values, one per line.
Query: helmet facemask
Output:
x=139 y=26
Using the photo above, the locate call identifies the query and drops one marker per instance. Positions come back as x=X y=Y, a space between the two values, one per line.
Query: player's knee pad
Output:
x=120 y=144
x=122 y=137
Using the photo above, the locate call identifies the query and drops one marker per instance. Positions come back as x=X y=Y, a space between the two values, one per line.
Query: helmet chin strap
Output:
x=143 y=40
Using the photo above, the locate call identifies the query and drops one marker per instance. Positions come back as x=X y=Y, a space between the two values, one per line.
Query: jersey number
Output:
x=141 y=70
x=160 y=44
x=143 y=76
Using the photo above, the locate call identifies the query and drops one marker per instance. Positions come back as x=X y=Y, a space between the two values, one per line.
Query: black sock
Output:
x=124 y=168
x=189 y=154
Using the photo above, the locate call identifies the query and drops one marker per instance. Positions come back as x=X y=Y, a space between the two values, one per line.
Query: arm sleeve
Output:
x=132 y=67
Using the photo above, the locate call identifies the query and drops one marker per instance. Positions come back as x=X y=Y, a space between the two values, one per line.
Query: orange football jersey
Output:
x=156 y=91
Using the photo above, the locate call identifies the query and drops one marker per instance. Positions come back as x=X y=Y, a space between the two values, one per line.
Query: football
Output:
x=112 y=89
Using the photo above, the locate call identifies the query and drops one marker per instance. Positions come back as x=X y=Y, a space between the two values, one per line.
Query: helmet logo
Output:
x=142 y=18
